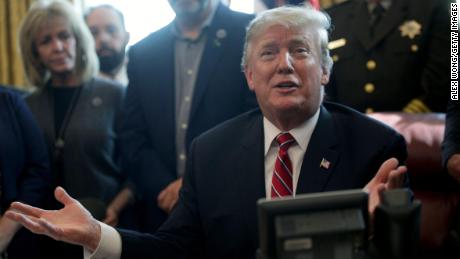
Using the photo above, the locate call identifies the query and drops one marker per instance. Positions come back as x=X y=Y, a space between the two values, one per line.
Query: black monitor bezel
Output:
x=314 y=202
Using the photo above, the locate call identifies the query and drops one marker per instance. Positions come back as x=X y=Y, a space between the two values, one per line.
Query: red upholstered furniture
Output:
x=439 y=194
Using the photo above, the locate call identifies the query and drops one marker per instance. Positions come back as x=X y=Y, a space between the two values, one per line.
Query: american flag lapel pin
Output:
x=325 y=164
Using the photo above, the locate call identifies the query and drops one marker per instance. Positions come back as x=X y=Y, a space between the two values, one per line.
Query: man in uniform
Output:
x=390 y=55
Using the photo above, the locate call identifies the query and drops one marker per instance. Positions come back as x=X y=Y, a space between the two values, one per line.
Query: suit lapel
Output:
x=158 y=80
x=393 y=18
x=250 y=172
x=360 y=24
x=321 y=156
x=163 y=78
x=216 y=41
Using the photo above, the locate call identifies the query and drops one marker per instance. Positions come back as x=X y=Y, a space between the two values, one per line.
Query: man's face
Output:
x=109 y=36
x=188 y=7
x=284 y=69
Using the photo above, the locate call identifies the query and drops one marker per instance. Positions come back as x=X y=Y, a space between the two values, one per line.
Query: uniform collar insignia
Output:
x=337 y=43
x=410 y=29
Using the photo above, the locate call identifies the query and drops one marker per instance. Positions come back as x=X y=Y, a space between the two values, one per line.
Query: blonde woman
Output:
x=78 y=112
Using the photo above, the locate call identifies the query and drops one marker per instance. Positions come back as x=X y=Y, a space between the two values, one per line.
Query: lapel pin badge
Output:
x=97 y=101
x=410 y=29
x=220 y=35
x=325 y=164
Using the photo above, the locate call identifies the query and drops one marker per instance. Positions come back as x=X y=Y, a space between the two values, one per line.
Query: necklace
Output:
x=59 y=141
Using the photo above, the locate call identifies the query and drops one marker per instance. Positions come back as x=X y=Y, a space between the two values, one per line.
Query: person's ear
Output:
x=249 y=77
x=325 y=75
x=127 y=37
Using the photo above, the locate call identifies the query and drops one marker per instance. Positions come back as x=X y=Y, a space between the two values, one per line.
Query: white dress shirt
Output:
x=110 y=245
x=296 y=152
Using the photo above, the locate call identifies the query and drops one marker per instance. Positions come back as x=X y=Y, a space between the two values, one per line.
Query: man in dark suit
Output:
x=323 y=148
x=390 y=55
x=183 y=80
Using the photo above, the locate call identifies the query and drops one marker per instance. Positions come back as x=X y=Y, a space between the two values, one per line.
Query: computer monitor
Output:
x=314 y=226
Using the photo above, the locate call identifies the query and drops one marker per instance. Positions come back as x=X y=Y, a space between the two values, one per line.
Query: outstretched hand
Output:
x=389 y=176
x=453 y=167
x=72 y=224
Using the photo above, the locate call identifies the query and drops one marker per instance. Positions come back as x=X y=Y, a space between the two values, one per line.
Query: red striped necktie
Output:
x=282 y=172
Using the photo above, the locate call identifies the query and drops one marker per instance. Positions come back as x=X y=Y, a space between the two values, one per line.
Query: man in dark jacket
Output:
x=183 y=80
x=390 y=55
x=294 y=144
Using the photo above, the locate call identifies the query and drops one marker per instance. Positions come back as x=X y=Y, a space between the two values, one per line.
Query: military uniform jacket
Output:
x=405 y=65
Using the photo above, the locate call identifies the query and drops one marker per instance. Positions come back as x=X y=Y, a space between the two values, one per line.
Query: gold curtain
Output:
x=11 y=14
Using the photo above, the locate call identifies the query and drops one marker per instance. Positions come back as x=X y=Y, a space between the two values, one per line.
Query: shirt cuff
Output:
x=109 y=246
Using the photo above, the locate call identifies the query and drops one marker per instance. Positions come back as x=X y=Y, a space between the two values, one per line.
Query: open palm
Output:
x=72 y=224
x=389 y=176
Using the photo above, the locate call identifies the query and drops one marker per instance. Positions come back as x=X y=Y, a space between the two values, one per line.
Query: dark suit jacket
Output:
x=23 y=157
x=405 y=68
x=23 y=167
x=89 y=167
x=216 y=215
x=451 y=144
x=220 y=93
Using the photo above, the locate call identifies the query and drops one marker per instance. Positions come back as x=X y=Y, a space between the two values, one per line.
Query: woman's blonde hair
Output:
x=86 y=62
